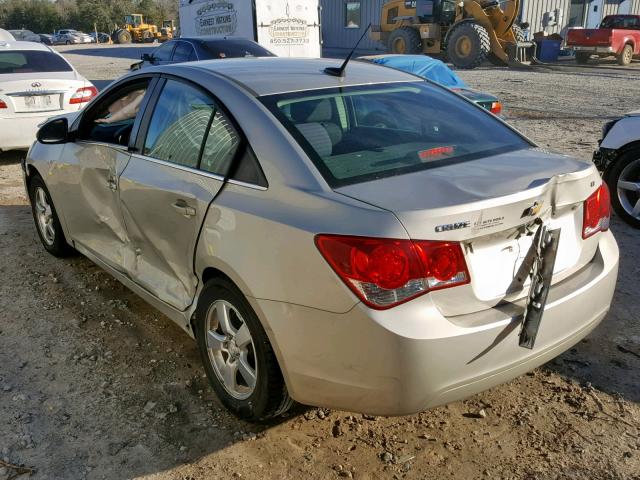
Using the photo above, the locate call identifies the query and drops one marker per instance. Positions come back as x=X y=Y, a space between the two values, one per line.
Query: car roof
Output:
x=271 y=75
x=21 y=45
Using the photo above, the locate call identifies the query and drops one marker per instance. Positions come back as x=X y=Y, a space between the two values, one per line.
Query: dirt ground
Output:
x=96 y=384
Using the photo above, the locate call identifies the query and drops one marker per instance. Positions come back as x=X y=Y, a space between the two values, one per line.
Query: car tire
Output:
x=626 y=56
x=405 y=41
x=228 y=364
x=625 y=168
x=467 y=44
x=46 y=219
x=582 y=58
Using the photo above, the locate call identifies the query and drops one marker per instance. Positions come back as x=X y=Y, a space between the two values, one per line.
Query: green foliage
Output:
x=39 y=16
x=45 y=16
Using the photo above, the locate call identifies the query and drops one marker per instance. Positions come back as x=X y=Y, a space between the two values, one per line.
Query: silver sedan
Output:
x=369 y=242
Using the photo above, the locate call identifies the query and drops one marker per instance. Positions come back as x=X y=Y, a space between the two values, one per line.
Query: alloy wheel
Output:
x=629 y=189
x=231 y=350
x=44 y=216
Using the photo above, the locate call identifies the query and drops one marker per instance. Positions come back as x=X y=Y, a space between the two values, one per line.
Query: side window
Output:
x=111 y=120
x=178 y=124
x=220 y=147
x=183 y=52
x=163 y=53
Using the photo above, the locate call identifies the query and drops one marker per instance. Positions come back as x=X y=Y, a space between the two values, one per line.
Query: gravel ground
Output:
x=96 y=384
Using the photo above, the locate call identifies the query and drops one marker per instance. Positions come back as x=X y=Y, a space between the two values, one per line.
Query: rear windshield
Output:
x=29 y=61
x=624 y=22
x=358 y=134
x=235 y=49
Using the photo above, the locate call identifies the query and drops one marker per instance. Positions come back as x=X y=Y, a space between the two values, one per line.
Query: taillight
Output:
x=3 y=104
x=596 y=212
x=496 y=108
x=385 y=272
x=83 y=95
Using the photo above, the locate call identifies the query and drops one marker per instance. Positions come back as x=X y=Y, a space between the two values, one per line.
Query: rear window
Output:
x=235 y=49
x=359 y=134
x=28 y=61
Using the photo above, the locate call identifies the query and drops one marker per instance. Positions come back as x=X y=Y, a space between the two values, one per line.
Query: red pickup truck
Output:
x=618 y=35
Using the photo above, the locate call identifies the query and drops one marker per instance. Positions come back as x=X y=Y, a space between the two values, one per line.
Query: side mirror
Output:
x=54 y=131
x=148 y=57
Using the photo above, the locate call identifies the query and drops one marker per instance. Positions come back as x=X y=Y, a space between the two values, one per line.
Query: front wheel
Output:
x=237 y=355
x=623 y=180
x=46 y=219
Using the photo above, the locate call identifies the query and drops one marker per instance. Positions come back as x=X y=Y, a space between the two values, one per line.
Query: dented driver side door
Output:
x=87 y=180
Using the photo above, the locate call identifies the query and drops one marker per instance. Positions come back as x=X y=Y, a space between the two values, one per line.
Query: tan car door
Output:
x=87 y=179
x=165 y=195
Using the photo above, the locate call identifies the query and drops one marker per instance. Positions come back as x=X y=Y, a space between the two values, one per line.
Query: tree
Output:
x=36 y=15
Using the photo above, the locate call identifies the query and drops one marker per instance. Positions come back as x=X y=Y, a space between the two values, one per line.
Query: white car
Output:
x=70 y=37
x=35 y=83
x=618 y=158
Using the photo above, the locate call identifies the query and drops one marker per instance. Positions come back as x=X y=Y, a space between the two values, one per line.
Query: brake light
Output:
x=3 y=104
x=596 y=212
x=385 y=272
x=83 y=95
x=496 y=108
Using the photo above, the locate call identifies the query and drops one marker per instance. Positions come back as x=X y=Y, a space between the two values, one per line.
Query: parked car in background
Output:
x=437 y=71
x=618 y=35
x=316 y=256
x=618 y=158
x=25 y=35
x=70 y=37
x=201 y=48
x=46 y=38
x=101 y=37
x=37 y=83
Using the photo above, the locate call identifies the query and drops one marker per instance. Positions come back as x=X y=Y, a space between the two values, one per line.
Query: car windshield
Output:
x=235 y=49
x=362 y=133
x=32 y=61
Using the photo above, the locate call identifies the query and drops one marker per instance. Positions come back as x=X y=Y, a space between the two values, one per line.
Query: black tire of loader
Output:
x=480 y=44
x=411 y=38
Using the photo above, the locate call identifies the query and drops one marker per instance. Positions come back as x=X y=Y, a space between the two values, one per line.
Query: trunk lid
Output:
x=29 y=94
x=490 y=205
x=589 y=37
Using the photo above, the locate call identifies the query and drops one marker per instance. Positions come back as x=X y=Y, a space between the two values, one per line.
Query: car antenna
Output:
x=339 y=71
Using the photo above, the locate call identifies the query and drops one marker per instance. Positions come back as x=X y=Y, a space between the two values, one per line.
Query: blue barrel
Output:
x=548 y=50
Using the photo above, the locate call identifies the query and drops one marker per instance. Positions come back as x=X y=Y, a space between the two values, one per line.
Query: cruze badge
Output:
x=453 y=226
x=532 y=211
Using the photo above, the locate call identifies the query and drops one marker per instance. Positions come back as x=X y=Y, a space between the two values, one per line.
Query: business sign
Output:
x=219 y=18
x=289 y=28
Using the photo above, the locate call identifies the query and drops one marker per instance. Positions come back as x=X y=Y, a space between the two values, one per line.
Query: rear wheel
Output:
x=623 y=180
x=46 y=219
x=405 y=40
x=626 y=56
x=468 y=44
x=237 y=355
x=583 y=58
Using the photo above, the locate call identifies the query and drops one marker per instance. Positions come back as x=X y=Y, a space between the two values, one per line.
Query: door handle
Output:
x=184 y=208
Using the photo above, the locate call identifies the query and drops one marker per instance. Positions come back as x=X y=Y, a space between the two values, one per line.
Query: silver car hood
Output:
x=488 y=194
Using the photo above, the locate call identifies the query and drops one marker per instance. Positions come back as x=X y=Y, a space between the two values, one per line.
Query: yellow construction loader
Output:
x=135 y=29
x=468 y=32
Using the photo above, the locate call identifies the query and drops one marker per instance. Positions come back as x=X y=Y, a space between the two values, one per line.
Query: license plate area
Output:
x=38 y=103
